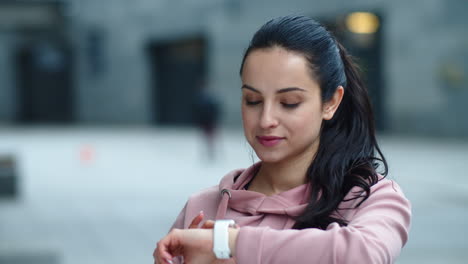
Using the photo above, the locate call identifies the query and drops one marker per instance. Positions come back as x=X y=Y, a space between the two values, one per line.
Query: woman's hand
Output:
x=195 y=245
x=197 y=220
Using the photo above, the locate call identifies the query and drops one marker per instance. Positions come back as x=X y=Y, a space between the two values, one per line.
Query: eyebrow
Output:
x=282 y=90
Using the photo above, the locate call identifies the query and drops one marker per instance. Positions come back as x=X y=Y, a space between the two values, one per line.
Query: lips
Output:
x=269 y=141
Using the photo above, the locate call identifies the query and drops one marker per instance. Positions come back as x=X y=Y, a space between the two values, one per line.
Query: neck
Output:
x=276 y=177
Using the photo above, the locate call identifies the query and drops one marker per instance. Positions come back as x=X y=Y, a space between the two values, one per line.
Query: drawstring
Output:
x=289 y=223
x=223 y=204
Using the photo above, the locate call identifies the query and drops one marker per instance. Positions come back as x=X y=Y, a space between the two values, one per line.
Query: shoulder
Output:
x=384 y=194
x=207 y=200
x=385 y=185
x=205 y=194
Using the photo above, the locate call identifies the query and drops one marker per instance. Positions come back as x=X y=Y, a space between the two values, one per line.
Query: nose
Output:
x=268 y=117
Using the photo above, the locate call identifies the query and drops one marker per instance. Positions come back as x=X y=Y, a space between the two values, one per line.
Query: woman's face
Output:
x=281 y=105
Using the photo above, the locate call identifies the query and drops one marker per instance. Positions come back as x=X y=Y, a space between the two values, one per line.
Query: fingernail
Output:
x=169 y=261
x=201 y=212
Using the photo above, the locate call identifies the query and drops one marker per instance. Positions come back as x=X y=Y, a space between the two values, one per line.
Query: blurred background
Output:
x=112 y=112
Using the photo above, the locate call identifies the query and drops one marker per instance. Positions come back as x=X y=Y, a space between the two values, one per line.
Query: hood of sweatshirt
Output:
x=234 y=196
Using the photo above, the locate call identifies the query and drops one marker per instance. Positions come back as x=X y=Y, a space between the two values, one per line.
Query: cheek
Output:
x=306 y=124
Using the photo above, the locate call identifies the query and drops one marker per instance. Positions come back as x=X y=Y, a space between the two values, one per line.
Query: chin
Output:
x=270 y=157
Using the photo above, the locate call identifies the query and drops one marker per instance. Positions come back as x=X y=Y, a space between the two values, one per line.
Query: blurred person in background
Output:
x=316 y=195
x=206 y=111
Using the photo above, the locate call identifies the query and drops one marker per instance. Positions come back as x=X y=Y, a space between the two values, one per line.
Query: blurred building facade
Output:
x=142 y=61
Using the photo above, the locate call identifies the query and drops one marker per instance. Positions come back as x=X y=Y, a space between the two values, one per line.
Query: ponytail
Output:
x=346 y=154
x=361 y=102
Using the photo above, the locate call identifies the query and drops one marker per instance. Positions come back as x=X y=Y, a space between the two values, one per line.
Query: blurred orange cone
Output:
x=87 y=154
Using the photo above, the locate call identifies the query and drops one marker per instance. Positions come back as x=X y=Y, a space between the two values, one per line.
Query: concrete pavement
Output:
x=106 y=195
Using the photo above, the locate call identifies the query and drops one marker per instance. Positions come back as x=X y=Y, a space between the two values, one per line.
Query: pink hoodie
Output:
x=376 y=233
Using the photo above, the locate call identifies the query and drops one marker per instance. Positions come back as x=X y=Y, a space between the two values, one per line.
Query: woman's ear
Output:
x=329 y=108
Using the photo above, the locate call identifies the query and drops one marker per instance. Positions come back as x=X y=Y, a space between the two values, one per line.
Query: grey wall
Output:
x=423 y=43
x=418 y=44
x=7 y=87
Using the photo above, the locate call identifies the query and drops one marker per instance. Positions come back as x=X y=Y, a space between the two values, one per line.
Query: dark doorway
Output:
x=367 y=49
x=43 y=77
x=178 y=71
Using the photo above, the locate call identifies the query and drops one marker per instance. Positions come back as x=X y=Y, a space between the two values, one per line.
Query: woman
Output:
x=316 y=195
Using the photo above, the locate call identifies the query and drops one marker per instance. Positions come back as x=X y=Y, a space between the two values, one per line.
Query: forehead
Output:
x=276 y=68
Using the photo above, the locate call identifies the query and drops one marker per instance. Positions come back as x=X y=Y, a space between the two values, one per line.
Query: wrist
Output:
x=233 y=233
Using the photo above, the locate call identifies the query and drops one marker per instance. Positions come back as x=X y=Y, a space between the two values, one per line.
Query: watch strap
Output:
x=221 y=238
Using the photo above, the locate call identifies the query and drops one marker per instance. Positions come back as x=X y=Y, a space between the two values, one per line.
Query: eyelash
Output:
x=289 y=106
x=252 y=102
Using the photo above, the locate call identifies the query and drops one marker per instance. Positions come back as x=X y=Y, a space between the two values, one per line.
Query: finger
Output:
x=197 y=220
x=208 y=224
x=163 y=258
x=162 y=250
x=157 y=258
x=161 y=261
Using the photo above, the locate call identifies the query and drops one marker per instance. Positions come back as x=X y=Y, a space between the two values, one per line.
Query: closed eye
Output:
x=252 y=102
x=290 y=105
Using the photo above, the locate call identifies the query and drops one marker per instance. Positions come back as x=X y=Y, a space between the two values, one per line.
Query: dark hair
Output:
x=346 y=156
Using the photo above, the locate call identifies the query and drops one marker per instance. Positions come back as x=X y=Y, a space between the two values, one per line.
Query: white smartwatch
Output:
x=221 y=238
